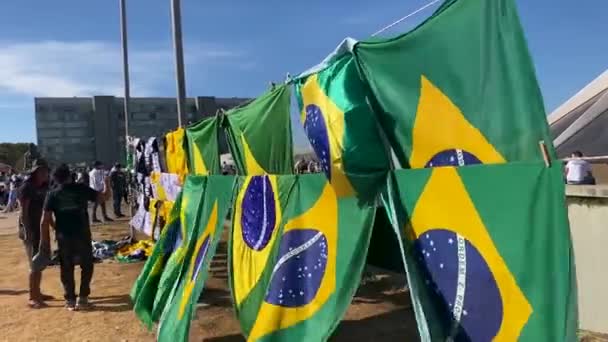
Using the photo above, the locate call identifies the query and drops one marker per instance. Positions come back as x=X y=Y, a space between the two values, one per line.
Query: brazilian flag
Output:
x=145 y=287
x=259 y=134
x=203 y=147
x=458 y=89
x=488 y=252
x=342 y=128
x=192 y=199
x=175 y=321
x=297 y=253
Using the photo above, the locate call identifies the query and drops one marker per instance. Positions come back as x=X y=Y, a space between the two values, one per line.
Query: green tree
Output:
x=12 y=153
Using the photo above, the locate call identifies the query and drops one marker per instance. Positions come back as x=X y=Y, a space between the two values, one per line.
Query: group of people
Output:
x=119 y=183
x=61 y=202
x=8 y=192
x=307 y=166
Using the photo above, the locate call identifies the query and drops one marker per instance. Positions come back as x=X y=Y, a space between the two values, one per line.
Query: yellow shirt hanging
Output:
x=175 y=153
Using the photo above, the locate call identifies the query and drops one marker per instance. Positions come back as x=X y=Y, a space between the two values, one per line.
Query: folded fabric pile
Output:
x=106 y=249
x=138 y=251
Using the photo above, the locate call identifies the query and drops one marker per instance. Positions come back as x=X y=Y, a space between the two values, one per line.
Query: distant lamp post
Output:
x=179 y=59
x=125 y=68
x=127 y=88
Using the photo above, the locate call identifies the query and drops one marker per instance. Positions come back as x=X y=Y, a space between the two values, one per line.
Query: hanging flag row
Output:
x=297 y=251
x=442 y=126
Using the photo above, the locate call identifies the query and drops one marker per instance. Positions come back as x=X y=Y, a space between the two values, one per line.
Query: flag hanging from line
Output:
x=480 y=273
x=294 y=274
x=145 y=287
x=443 y=101
x=192 y=199
x=217 y=199
x=203 y=147
x=259 y=134
x=342 y=128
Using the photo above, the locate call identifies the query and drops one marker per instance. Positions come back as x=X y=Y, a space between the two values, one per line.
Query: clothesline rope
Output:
x=404 y=18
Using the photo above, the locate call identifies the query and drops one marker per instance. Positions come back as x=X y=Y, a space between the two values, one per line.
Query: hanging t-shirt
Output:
x=152 y=156
x=165 y=186
x=138 y=220
x=177 y=162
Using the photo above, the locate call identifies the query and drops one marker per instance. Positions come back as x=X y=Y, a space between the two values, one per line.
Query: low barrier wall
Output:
x=588 y=214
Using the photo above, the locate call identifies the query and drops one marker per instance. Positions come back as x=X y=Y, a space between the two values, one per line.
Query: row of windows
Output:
x=62 y=108
x=165 y=107
x=53 y=116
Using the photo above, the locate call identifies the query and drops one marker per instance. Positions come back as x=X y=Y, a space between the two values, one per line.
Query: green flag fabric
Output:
x=489 y=252
x=459 y=87
x=203 y=147
x=145 y=287
x=175 y=321
x=294 y=272
x=259 y=134
x=192 y=196
x=342 y=129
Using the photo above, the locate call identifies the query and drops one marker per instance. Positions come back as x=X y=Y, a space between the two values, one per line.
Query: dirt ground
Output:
x=380 y=311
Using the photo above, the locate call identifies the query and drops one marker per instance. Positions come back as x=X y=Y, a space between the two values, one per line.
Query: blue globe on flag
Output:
x=461 y=278
x=453 y=157
x=258 y=217
x=317 y=133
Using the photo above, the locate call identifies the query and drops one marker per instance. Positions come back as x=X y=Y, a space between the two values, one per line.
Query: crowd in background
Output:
x=119 y=180
x=304 y=165
x=9 y=184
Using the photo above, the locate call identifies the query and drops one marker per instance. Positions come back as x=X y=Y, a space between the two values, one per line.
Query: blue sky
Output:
x=235 y=47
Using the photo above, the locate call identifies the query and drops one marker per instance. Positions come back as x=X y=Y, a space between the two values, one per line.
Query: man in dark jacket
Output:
x=68 y=203
x=118 y=182
x=31 y=196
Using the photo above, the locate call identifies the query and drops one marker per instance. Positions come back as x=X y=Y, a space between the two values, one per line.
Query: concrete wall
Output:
x=588 y=214
x=600 y=172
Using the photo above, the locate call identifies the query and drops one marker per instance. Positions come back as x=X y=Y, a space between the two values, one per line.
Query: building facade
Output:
x=82 y=130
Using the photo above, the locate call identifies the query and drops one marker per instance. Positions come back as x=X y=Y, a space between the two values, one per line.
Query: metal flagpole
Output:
x=179 y=59
x=125 y=65
x=127 y=94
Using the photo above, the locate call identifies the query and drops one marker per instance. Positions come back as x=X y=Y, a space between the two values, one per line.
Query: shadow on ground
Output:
x=120 y=303
x=7 y=292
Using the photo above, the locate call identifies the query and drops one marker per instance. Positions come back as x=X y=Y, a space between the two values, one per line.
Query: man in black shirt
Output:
x=68 y=203
x=31 y=196
x=118 y=182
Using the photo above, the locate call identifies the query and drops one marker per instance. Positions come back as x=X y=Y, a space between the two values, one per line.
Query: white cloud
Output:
x=85 y=68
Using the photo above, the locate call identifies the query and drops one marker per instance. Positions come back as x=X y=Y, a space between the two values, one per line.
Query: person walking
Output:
x=31 y=196
x=14 y=184
x=67 y=205
x=118 y=183
x=97 y=182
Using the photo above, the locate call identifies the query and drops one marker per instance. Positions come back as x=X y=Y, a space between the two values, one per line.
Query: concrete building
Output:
x=82 y=130
x=581 y=123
